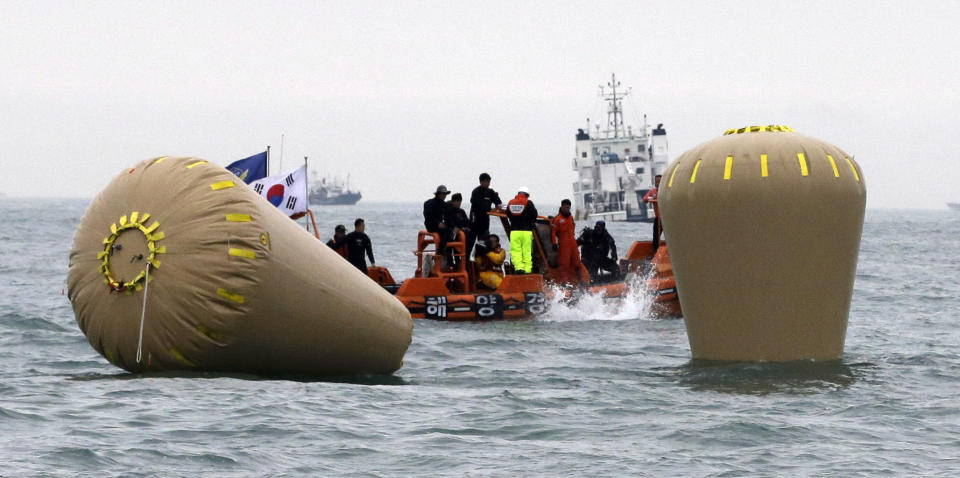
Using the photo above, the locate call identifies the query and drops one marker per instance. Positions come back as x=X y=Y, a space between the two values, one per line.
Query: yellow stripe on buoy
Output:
x=243 y=253
x=160 y=160
x=853 y=168
x=693 y=177
x=239 y=218
x=176 y=353
x=152 y=227
x=674 y=173
x=222 y=185
x=803 y=164
x=198 y=163
x=226 y=295
x=727 y=167
x=833 y=164
x=763 y=166
x=133 y=217
x=123 y=220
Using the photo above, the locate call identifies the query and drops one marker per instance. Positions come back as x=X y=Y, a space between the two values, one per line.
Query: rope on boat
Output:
x=143 y=312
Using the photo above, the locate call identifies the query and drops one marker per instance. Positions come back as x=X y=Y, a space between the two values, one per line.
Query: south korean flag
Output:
x=288 y=191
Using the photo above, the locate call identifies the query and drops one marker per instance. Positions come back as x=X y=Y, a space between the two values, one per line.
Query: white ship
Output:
x=616 y=166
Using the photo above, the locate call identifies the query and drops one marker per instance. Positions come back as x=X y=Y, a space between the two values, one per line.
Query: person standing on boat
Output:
x=338 y=241
x=434 y=210
x=456 y=220
x=651 y=196
x=481 y=199
x=563 y=235
x=490 y=262
x=359 y=243
x=523 y=217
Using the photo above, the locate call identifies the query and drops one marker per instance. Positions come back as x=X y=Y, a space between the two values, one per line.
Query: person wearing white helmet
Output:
x=523 y=218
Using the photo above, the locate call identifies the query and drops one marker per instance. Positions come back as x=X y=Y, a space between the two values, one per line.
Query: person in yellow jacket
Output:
x=490 y=263
x=523 y=218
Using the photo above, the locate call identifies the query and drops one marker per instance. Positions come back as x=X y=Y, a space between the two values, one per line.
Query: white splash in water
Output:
x=636 y=304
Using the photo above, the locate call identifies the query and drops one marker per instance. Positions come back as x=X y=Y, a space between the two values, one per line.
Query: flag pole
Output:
x=268 y=160
x=306 y=179
x=281 y=153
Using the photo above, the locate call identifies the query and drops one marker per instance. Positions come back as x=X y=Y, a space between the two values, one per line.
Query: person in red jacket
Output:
x=563 y=235
x=651 y=196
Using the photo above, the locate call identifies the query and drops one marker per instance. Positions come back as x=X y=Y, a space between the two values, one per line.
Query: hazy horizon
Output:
x=405 y=96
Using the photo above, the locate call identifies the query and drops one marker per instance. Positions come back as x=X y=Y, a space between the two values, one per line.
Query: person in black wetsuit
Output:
x=359 y=243
x=481 y=199
x=603 y=253
x=456 y=220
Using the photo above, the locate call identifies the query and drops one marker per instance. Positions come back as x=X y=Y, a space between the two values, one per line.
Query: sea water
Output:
x=598 y=388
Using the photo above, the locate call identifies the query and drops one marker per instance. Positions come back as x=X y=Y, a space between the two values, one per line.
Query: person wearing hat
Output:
x=338 y=241
x=523 y=218
x=434 y=209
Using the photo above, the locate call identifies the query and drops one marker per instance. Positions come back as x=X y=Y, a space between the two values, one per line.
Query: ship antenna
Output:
x=615 y=108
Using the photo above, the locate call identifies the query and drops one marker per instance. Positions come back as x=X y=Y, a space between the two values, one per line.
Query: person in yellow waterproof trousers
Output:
x=523 y=217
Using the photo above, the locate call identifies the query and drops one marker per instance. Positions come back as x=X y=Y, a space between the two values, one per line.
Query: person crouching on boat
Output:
x=490 y=262
x=565 y=243
x=523 y=217
x=338 y=241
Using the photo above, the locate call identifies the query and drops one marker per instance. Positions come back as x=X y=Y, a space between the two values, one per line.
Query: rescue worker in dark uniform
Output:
x=651 y=196
x=602 y=253
x=565 y=243
x=523 y=218
x=481 y=199
x=456 y=220
x=359 y=243
x=434 y=210
x=338 y=241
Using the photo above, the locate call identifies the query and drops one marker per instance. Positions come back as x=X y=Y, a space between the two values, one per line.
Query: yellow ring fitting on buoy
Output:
x=138 y=221
x=759 y=129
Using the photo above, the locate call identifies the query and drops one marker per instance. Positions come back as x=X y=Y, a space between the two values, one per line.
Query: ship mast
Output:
x=615 y=108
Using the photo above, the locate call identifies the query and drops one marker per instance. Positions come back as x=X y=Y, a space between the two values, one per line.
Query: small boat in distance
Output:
x=333 y=192
x=954 y=205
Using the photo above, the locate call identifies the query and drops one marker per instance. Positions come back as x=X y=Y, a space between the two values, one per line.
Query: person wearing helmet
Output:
x=522 y=215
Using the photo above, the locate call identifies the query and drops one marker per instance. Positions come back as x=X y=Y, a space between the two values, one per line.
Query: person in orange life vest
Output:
x=564 y=240
x=523 y=217
x=338 y=241
x=651 y=196
x=490 y=262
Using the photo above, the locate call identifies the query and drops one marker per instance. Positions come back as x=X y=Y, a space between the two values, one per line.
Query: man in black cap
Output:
x=434 y=209
x=433 y=213
x=481 y=199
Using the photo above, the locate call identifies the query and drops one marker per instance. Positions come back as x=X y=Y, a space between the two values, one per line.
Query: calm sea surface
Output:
x=592 y=390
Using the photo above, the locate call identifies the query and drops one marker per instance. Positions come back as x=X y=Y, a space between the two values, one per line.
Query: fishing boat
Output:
x=616 y=165
x=452 y=291
x=331 y=191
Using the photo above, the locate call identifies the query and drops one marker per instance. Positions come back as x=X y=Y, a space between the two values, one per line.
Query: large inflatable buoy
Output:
x=179 y=265
x=764 y=228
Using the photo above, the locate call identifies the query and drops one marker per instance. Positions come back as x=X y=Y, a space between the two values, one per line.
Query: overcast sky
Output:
x=407 y=95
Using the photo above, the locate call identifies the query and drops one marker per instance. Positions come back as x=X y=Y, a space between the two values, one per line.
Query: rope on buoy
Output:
x=143 y=312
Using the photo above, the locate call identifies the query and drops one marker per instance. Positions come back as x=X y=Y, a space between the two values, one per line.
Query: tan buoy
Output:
x=764 y=228
x=234 y=284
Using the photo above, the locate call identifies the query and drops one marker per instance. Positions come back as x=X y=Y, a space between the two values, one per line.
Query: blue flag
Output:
x=250 y=169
